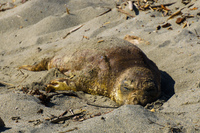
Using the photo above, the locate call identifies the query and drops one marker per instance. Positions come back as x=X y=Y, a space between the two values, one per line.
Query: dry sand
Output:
x=35 y=29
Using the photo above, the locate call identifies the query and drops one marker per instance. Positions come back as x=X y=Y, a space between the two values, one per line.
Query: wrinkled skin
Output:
x=120 y=72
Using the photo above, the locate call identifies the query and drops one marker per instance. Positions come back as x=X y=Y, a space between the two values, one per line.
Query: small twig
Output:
x=71 y=111
x=104 y=12
x=155 y=123
x=67 y=9
x=23 y=1
x=65 y=118
x=75 y=128
x=124 y=12
x=21 y=71
x=138 y=1
x=101 y=106
x=174 y=14
x=24 y=78
x=73 y=30
x=64 y=113
x=8 y=84
x=197 y=33
x=179 y=11
x=4 y=9
x=168 y=4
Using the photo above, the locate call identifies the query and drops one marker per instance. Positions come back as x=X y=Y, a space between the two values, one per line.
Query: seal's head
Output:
x=137 y=85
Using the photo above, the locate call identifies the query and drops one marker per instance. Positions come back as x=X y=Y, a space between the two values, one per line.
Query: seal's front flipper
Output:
x=41 y=66
x=61 y=84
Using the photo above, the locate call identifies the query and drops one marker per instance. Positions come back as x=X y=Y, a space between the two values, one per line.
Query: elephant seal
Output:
x=111 y=67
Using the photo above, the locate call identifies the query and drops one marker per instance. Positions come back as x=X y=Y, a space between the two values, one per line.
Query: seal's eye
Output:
x=124 y=89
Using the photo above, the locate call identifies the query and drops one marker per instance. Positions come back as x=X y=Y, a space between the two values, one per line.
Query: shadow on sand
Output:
x=2 y=129
x=167 y=86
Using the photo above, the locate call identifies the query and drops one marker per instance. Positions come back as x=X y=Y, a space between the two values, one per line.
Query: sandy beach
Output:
x=168 y=32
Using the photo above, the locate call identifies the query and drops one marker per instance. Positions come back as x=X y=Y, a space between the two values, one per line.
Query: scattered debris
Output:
x=64 y=113
x=180 y=20
x=103 y=118
x=23 y=1
x=75 y=128
x=71 y=111
x=98 y=114
x=198 y=36
x=67 y=9
x=169 y=28
x=39 y=49
x=185 y=24
x=158 y=27
x=135 y=40
x=130 y=5
x=106 y=23
x=85 y=37
x=40 y=111
x=152 y=110
x=6 y=6
x=64 y=118
x=16 y=119
x=194 y=8
x=163 y=7
x=167 y=4
x=100 y=41
x=186 y=1
x=152 y=15
x=166 y=25
x=6 y=84
x=35 y=122
x=173 y=129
